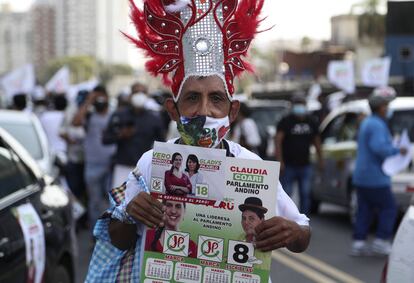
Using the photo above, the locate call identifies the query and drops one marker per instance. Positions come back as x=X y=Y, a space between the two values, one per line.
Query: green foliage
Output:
x=371 y=26
x=83 y=68
x=108 y=71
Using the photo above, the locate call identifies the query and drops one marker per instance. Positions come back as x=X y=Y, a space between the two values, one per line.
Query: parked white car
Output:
x=26 y=129
x=338 y=132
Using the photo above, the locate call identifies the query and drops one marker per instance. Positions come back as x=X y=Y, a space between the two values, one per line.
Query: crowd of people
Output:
x=107 y=150
x=96 y=145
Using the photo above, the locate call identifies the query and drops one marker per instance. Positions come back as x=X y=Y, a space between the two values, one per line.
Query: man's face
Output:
x=249 y=221
x=136 y=88
x=203 y=96
x=382 y=110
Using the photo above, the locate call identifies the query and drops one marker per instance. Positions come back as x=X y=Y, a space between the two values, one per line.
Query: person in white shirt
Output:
x=202 y=61
x=52 y=120
x=206 y=96
x=245 y=131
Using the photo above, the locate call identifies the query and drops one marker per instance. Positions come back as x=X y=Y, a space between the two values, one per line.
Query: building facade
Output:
x=92 y=27
x=15 y=39
x=42 y=15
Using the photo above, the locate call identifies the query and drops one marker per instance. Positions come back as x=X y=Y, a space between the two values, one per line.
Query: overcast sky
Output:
x=293 y=19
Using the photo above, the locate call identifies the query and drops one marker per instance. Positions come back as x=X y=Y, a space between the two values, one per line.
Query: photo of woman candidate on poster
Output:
x=175 y=181
x=192 y=167
x=174 y=215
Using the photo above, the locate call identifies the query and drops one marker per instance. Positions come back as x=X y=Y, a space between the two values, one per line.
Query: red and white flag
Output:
x=21 y=80
x=376 y=72
x=60 y=81
x=341 y=75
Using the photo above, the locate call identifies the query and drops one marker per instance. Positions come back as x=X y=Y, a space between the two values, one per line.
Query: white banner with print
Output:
x=341 y=74
x=21 y=80
x=376 y=72
x=34 y=238
x=60 y=81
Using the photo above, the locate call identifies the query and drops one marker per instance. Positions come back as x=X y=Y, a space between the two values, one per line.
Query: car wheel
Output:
x=60 y=275
x=353 y=206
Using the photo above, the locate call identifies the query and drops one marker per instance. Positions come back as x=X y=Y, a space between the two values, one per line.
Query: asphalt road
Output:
x=325 y=261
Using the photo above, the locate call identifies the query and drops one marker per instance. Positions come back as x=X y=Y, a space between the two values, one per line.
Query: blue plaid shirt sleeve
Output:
x=109 y=264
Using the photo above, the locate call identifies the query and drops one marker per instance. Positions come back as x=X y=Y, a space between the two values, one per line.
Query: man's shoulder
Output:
x=286 y=121
x=374 y=122
x=241 y=152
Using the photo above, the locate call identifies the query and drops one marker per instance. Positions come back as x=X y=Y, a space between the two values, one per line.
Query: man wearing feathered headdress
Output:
x=197 y=46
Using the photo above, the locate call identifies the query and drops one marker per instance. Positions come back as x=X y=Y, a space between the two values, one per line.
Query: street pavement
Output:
x=325 y=261
x=327 y=258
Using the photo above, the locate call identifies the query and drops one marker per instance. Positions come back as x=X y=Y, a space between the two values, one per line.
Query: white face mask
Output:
x=203 y=131
x=138 y=100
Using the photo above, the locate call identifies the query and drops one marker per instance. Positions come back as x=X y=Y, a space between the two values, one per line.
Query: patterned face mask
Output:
x=203 y=131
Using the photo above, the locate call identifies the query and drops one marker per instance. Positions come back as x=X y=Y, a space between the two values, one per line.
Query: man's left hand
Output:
x=279 y=232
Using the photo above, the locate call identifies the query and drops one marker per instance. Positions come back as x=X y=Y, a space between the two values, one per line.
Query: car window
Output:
x=331 y=132
x=403 y=119
x=349 y=127
x=267 y=116
x=27 y=136
x=14 y=175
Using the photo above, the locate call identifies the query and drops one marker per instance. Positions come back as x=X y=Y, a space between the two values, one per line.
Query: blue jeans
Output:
x=98 y=181
x=370 y=201
x=301 y=174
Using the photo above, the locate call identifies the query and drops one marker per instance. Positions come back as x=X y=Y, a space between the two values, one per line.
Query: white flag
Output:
x=74 y=89
x=21 y=80
x=376 y=72
x=341 y=74
x=59 y=83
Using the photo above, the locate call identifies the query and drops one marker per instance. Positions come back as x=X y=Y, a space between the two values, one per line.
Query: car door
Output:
x=18 y=186
x=338 y=148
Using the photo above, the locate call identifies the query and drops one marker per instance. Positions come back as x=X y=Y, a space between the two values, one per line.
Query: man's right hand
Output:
x=146 y=210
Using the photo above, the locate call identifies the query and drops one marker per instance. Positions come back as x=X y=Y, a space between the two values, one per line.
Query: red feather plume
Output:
x=160 y=36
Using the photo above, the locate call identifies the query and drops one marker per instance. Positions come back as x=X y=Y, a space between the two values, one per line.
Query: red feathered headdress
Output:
x=196 y=38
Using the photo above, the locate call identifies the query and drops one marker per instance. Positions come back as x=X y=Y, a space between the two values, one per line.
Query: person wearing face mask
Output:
x=133 y=129
x=93 y=116
x=372 y=185
x=295 y=134
x=200 y=67
x=150 y=103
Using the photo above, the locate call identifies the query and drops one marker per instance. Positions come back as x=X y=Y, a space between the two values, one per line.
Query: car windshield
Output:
x=401 y=120
x=27 y=136
x=267 y=116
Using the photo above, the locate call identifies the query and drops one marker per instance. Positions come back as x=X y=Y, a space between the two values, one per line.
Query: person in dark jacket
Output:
x=133 y=129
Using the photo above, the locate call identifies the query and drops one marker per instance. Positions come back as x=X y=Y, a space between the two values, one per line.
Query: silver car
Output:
x=27 y=130
x=338 y=132
x=266 y=114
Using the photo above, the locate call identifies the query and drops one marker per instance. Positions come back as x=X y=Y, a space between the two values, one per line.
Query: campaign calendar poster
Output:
x=209 y=230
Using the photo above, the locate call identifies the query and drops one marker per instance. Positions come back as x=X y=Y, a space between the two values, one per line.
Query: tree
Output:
x=82 y=68
x=108 y=71
x=371 y=24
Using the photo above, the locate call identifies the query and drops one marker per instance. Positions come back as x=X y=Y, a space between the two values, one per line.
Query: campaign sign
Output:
x=209 y=221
